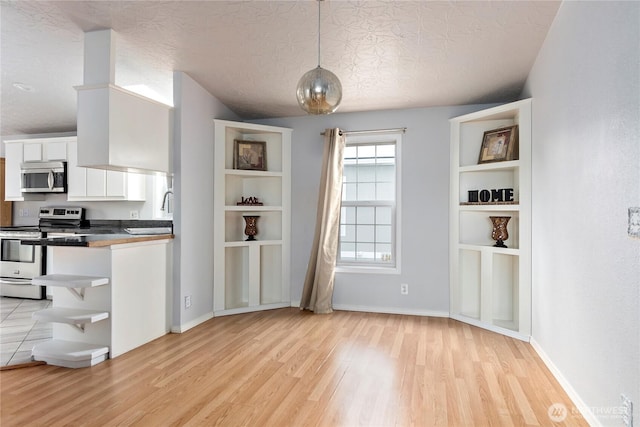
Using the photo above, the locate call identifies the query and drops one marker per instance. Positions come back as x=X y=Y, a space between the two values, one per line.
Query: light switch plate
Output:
x=634 y=222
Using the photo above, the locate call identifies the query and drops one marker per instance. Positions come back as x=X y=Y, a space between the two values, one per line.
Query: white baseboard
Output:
x=566 y=386
x=195 y=322
x=386 y=310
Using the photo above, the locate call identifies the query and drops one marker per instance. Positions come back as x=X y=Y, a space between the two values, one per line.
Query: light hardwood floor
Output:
x=291 y=368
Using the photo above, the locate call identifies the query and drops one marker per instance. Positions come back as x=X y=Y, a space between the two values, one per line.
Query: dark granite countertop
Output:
x=96 y=240
x=97 y=233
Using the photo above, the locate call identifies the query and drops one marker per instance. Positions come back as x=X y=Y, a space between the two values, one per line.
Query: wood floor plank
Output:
x=291 y=368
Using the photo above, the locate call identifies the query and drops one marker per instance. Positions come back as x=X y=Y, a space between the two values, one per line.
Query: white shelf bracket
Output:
x=77 y=292
x=78 y=327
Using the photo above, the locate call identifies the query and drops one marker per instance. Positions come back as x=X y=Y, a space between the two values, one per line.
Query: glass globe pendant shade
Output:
x=319 y=91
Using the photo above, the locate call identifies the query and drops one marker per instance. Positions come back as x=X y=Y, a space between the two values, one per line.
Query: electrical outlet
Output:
x=187 y=301
x=23 y=212
x=404 y=289
x=627 y=411
x=134 y=215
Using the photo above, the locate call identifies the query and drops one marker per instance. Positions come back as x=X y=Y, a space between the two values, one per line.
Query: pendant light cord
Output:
x=319 y=1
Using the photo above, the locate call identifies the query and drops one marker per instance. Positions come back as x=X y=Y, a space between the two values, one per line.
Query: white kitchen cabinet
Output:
x=491 y=285
x=97 y=184
x=30 y=150
x=45 y=149
x=13 y=158
x=121 y=130
x=251 y=275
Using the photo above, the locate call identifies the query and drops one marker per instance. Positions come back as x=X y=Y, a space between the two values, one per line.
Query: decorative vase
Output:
x=499 y=233
x=251 y=226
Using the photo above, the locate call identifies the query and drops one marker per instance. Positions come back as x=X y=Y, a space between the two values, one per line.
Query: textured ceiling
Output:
x=250 y=54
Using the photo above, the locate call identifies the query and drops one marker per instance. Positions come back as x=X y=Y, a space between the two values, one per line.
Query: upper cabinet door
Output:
x=32 y=152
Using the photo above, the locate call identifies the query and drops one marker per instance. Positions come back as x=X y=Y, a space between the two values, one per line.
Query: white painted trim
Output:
x=385 y=310
x=566 y=386
x=492 y=328
x=361 y=269
x=195 y=322
x=390 y=310
x=250 y=309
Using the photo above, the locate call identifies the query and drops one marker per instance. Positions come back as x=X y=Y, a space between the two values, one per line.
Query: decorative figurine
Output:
x=251 y=226
x=249 y=201
x=499 y=233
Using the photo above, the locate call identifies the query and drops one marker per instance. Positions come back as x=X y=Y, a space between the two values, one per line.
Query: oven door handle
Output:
x=8 y=281
x=50 y=180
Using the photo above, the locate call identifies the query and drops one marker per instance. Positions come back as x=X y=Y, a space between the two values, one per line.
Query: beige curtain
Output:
x=318 y=284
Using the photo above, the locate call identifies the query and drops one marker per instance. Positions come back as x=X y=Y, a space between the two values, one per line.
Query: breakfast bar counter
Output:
x=136 y=294
x=96 y=240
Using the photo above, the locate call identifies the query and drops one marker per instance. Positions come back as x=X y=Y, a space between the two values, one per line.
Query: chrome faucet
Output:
x=165 y=198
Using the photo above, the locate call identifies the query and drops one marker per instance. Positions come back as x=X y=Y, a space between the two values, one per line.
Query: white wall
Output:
x=586 y=173
x=195 y=110
x=425 y=208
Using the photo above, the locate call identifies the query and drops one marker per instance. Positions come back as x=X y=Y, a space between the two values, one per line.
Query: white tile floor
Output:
x=18 y=331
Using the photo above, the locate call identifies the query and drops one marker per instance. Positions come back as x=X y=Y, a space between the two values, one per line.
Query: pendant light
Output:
x=319 y=91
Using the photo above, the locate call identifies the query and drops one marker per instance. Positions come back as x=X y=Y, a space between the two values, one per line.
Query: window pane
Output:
x=385 y=173
x=366 y=151
x=348 y=215
x=383 y=215
x=365 y=251
x=383 y=234
x=388 y=150
x=366 y=191
x=383 y=253
x=385 y=191
x=366 y=215
x=349 y=173
x=349 y=191
x=349 y=233
x=350 y=152
x=348 y=251
x=366 y=173
x=365 y=233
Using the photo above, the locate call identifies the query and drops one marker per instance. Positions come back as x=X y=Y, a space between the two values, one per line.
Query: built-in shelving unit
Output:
x=491 y=286
x=71 y=354
x=251 y=275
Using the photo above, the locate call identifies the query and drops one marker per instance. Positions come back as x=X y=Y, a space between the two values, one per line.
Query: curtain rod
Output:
x=354 y=132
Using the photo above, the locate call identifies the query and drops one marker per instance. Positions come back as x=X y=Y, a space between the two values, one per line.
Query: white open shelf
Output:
x=74 y=283
x=70 y=354
x=71 y=316
x=70 y=281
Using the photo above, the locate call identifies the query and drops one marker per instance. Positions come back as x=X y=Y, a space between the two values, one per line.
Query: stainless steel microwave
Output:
x=44 y=177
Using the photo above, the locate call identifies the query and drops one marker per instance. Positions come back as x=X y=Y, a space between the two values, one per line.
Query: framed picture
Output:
x=499 y=145
x=250 y=155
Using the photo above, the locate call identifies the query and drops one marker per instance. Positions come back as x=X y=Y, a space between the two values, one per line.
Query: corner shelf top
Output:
x=248 y=208
x=243 y=243
x=495 y=166
x=249 y=128
x=252 y=174
x=492 y=249
x=506 y=111
x=490 y=207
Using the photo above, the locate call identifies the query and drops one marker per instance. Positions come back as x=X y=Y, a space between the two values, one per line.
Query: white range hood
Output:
x=118 y=129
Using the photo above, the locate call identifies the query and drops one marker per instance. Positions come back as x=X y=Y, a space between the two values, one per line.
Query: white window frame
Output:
x=395 y=138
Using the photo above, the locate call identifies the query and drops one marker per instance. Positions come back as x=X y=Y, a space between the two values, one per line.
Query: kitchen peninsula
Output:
x=111 y=293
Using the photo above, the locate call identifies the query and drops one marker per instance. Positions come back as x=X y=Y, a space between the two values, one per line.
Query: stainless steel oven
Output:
x=19 y=264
